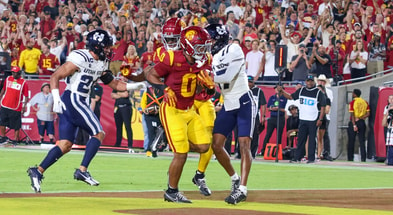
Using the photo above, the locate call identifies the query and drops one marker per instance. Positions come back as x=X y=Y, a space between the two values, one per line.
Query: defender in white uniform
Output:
x=239 y=108
x=81 y=71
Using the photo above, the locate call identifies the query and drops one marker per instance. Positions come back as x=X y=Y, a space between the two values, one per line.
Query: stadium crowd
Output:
x=345 y=31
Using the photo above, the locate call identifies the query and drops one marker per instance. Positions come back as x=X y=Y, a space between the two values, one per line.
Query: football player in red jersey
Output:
x=204 y=107
x=181 y=70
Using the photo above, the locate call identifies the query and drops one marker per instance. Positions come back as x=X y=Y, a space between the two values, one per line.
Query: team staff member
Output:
x=12 y=104
x=312 y=110
x=276 y=104
x=259 y=96
x=122 y=115
x=359 y=111
x=150 y=104
x=42 y=102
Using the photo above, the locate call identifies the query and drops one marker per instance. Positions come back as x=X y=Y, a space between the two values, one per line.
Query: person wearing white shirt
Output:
x=253 y=61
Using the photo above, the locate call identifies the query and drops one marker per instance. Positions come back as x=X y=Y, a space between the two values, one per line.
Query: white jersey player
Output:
x=82 y=69
x=239 y=108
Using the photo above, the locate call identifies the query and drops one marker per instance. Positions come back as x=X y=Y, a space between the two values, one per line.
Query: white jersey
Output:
x=89 y=71
x=229 y=72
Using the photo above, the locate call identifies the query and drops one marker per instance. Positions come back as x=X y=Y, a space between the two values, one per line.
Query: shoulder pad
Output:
x=166 y=57
x=79 y=57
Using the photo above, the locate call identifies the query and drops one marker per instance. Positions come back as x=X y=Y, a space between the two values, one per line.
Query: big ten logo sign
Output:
x=271 y=151
x=307 y=101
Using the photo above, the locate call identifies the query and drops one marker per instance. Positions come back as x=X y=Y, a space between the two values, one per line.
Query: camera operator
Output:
x=300 y=66
x=337 y=54
x=387 y=122
x=321 y=59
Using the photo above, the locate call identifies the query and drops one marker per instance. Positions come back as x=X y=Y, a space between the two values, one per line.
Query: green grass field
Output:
x=118 y=172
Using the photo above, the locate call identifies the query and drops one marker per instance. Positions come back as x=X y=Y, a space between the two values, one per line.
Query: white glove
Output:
x=58 y=105
x=135 y=86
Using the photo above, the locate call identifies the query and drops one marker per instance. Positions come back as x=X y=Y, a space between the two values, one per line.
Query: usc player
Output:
x=184 y=128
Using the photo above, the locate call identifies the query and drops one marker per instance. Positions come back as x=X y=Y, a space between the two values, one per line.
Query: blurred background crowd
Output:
x=338 y=31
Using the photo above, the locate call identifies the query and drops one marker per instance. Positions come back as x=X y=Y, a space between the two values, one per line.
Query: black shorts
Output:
x=323 y=125
x=10 y=118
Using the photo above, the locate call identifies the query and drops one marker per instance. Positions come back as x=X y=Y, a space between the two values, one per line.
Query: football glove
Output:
x=204 y=79
x=170 y=97
x=58 y=105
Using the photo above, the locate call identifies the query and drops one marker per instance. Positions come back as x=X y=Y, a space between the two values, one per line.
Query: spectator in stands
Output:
x=57 y=48
x=276 y=106
x=42 y=103
x=119 y=50
x=232 y=26
x=293 y=41
x=237 y=11
x=358 y=61
x=29 y=58
x=322 y=61
x=52 y=9
x=268 y=62
x=300 y=66
x=377 y=51
x=147 y=57
x=359 y=110
x=47 y=25
x=47 y=63
x=14 y=97
x=140 y=42
x=337 y=54
x=254 y=60
x=131 y=58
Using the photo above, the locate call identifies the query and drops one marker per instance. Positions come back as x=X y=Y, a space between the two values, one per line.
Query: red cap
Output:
x=296 y=33
x=15 y=69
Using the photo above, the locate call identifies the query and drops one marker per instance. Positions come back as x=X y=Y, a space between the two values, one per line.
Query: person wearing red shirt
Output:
x=48 y=62
x=12 y=93
x=119 y=50
x=47 y=25
x=337 y=55
x=262 y=11
x=147 y=57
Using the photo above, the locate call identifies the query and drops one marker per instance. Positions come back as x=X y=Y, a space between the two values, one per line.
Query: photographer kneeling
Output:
x=387 y=122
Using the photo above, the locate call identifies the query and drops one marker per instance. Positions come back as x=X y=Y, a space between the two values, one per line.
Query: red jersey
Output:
x=48 y=63
x=131 y=61
x=13 y=92
x=261 y=13
x=119 y=50
x=180 y=76
x=13 y=26
x=147 y=59
x=46 y=26
x=14 y=61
